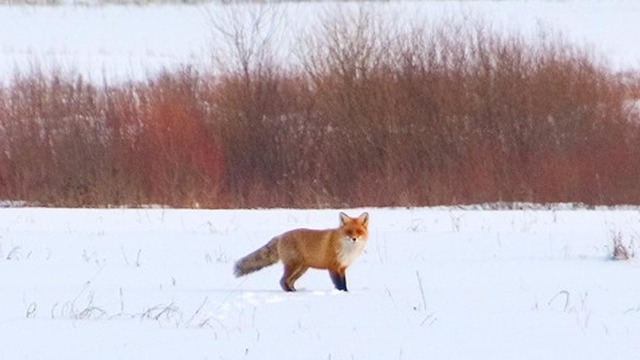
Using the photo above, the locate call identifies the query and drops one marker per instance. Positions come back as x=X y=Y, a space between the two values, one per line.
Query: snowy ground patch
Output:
x=441 y=283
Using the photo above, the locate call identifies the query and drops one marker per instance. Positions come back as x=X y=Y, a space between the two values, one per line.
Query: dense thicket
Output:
x=368 y=115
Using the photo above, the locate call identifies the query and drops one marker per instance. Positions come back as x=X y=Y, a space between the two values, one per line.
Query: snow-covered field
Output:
x=133 y=42
x=439 y=283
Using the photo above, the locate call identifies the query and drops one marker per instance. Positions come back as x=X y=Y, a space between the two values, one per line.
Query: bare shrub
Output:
x=256 y=121
x=55 y=149
x=374 y=113
x=259 y=109
x=69 y=143
x=179 y=153
x=463 y=113
x=621 y=251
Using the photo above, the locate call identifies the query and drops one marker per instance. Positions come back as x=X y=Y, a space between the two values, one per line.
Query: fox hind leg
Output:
x=339 y=279
x=292 y=272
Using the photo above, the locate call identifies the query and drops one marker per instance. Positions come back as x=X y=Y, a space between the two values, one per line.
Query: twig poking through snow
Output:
x=429 y=320
x=31 y=310
x=14 y=253
x=424 y=300
x=198 y=310
x=566 y=301
x=621 y=251
x=121 y=301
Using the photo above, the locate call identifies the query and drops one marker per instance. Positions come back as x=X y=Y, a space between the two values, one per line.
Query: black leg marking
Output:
x=339 y=280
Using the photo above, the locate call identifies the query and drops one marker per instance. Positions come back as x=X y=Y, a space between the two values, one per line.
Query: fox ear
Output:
x=344 y=218
x=364 y=219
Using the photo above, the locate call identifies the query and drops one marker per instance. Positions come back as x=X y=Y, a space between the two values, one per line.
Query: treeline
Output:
x=369 y=114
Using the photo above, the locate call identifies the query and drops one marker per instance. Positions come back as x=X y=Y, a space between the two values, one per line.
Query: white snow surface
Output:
x=115 y=42
x=433 y=283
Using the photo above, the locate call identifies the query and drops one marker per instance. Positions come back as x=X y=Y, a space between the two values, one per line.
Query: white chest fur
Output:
x=350 y=250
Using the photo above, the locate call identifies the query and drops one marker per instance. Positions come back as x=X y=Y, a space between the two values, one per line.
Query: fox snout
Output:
x=355 y=234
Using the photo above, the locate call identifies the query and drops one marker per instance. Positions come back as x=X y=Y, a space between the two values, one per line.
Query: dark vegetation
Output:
x=367 y=115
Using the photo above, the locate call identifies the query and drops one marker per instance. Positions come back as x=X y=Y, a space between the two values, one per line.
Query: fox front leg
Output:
x=339 y=279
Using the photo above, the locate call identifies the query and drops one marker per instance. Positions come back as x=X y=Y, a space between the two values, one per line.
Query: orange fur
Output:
x=301 y=249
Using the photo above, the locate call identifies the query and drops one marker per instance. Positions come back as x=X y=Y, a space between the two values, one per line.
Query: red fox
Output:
x=301 y=249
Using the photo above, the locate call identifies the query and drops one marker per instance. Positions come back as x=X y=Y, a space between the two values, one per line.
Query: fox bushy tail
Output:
x=263 y=257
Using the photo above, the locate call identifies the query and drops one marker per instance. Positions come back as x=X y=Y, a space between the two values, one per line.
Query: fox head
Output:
x=355 y=229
